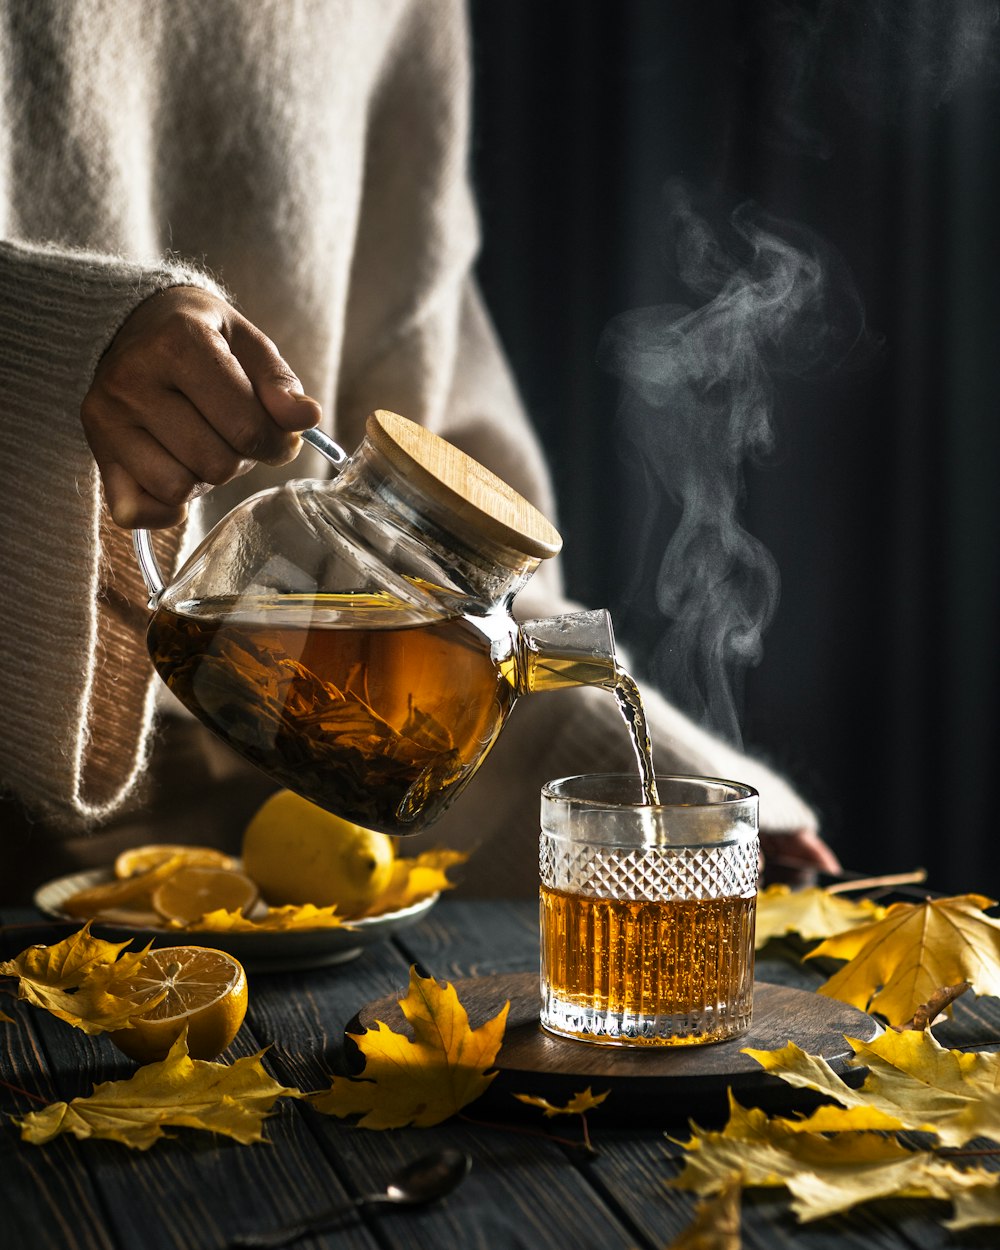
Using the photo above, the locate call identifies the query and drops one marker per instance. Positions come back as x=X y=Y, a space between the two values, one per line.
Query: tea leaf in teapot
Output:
x=300 y=694
x=346 y=714
x=437 y=777
x=423 y=730
x=245 y=699
x=351 y=718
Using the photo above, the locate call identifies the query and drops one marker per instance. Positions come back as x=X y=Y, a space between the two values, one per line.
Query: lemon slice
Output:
x=188 y=893
x=130 y=893
x=206 y=990
x=139 y=859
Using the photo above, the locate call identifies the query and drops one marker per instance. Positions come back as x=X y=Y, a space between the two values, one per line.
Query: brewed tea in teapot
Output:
x=353 y=638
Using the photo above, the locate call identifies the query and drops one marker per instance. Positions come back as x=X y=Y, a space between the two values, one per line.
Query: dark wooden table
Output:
x=524 y=1190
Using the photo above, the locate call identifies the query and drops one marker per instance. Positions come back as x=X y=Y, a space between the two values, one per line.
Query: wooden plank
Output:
x=522 y=1190
x=472 y=938
x=48 y=1197
x=974 y=1024
x=192 y=1191
x=630 y=1171
x=635 y=1170
x=302 y=1015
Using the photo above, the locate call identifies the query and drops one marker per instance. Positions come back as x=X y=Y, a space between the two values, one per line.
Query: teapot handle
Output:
x=142 y=543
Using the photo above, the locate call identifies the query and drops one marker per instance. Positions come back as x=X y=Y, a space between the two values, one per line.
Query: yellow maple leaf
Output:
x=955 y=1093
x=856 y=1111
x=912 y=1082
x=825 y=1175
x=82 y=980
x=716 y=1223
x=416 y=877
x=811 y=913
x=232 y=1099
x=285 y=919
x=423 y=1080
x=898 y=962
x=65 y=964
x=579 y=1104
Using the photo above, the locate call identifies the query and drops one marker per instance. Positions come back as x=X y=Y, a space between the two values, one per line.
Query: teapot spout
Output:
x=577 y=649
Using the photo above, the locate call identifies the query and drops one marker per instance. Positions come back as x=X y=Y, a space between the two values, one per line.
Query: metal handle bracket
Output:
x=142 y=542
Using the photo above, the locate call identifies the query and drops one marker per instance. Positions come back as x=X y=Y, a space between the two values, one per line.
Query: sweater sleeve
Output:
x=75 y=687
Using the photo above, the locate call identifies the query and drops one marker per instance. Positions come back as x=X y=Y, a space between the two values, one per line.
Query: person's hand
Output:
x=188 y=394
x=796 y=857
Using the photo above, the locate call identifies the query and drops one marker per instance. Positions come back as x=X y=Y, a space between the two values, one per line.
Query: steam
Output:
x=765 y=300
x=880 y=59
x=770 y=300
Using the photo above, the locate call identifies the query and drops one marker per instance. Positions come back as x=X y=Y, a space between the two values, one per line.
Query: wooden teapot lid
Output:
x=461 y=487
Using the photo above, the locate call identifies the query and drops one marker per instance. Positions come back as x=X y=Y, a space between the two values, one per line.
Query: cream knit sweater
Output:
x=308 y=158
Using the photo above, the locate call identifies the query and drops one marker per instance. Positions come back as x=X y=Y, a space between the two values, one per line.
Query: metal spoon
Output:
x=423 y=1180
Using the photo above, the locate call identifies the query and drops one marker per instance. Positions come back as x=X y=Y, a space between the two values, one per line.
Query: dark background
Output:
x=877 y=127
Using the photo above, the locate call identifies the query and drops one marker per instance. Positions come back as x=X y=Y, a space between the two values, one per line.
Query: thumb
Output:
x=273 y=380
x=289 y=407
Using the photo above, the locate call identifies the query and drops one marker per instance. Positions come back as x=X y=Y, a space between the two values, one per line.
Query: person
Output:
x=222 y=224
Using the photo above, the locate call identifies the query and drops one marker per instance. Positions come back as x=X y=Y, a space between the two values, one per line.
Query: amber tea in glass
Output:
x=647 y=910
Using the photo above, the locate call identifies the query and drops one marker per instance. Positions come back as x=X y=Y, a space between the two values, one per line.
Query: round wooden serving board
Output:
x=649 y=1083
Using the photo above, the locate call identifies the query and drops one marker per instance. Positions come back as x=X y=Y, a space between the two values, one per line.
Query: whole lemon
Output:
x=300 y=853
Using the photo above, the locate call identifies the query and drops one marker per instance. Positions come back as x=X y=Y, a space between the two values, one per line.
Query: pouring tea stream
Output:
x=354 y=638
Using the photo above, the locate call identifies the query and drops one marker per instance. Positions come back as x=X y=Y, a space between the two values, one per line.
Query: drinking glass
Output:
x=647 y=912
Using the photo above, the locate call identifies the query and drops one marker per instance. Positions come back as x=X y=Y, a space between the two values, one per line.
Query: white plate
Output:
x=258 y=952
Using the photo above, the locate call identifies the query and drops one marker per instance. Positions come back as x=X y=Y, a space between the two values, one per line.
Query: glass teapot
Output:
x=353 y=638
